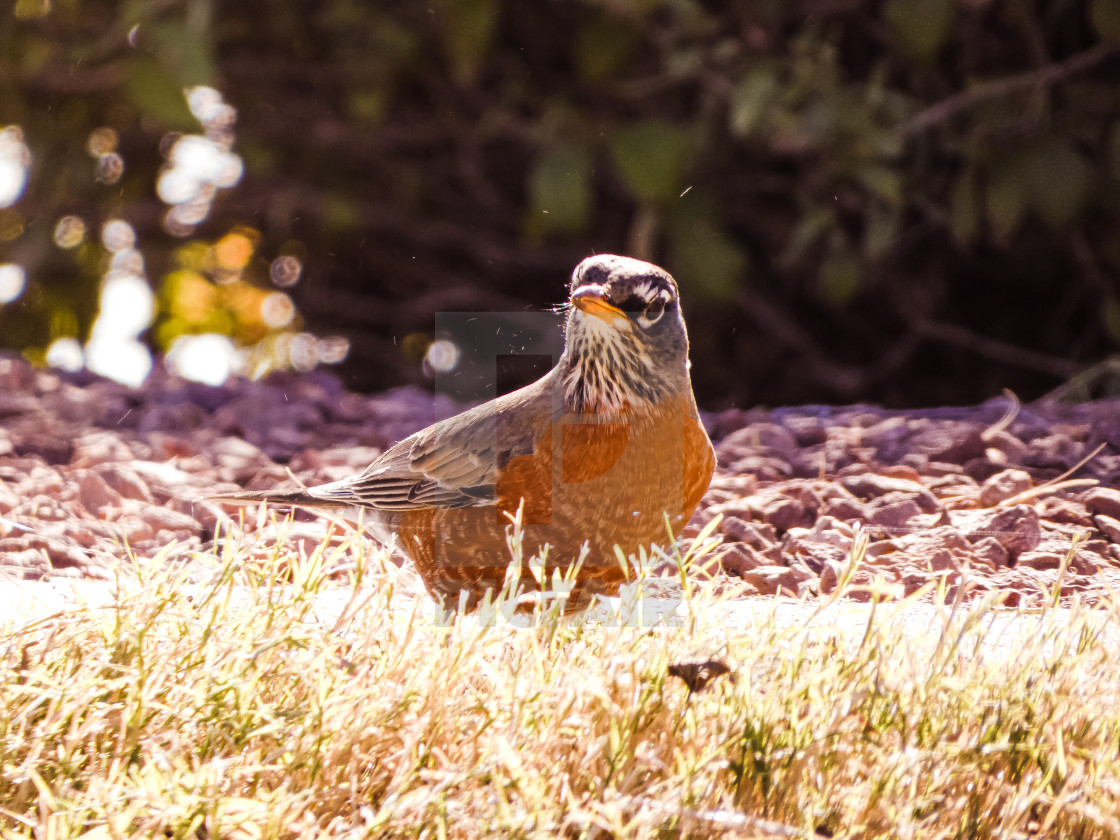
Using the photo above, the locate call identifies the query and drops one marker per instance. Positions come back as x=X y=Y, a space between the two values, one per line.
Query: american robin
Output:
x=601 y=451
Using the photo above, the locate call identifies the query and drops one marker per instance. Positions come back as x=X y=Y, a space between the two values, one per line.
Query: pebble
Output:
x=86 y=463
x=1104 y=500
x=1003 y=485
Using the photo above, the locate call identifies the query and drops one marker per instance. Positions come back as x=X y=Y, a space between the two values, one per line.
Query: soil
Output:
x=1019 y=499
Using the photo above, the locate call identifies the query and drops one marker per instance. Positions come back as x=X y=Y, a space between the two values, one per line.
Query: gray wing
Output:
x=453 y=463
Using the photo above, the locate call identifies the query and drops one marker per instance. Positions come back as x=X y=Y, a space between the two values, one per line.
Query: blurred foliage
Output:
x=911 y=201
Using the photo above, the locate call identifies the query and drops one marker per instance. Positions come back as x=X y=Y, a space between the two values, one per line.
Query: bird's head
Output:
x=626 y=345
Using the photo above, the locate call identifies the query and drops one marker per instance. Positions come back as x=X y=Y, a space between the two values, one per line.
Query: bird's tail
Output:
x=289 y=498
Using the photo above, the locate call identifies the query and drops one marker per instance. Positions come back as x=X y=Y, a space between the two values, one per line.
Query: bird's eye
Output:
x=652 y=313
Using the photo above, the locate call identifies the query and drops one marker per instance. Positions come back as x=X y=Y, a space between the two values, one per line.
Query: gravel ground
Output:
x=1018 y=499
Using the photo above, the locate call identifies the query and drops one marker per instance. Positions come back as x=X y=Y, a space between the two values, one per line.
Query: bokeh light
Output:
x=127 y=261
x=175 y=227
x=208 y=358
x=277 y=310
x=66 y=354
x=196 y=158
x=176 y=186
x=15 y=160
x=124 y=360
x=285 y=271
x=333 y=349
x=205 y=103
x=304 y=351
x=442 y=356
x=127 y=306
x=110 y=167
x=69 y=232
x=182 y=218
x=101 y=142
x=198 y=165
x=13 y=279
x=12 y=224
x=234 y=250
x=117 y=235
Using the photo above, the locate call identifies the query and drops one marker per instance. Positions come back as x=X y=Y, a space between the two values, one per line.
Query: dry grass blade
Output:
x=1009 y=415
x=247 y=706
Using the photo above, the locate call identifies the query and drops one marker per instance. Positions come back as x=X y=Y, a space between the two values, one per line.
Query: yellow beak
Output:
x=591 y=300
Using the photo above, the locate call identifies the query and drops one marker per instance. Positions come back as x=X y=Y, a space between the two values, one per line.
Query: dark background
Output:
x=913 y=202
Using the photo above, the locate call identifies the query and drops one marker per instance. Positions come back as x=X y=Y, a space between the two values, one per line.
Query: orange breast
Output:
x=614 y=482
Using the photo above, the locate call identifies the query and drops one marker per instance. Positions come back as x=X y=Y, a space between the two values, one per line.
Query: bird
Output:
x=606 y=451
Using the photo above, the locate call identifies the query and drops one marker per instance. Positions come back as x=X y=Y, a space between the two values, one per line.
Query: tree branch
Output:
x=998 y=88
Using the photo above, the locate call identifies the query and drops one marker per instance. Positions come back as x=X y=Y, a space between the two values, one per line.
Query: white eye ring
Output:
x=652 y=313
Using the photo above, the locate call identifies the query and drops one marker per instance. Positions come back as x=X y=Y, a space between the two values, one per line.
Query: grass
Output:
x=233 y=708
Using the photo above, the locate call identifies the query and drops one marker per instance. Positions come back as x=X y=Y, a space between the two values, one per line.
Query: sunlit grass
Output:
x=239 y=707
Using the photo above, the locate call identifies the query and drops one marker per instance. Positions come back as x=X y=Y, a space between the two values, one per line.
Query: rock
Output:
x=84 y=533
x=770 y=580
x=99 y=448
x=8 y=498
x=942 y=559
x=1040 y=560
x=739 y=558
x=871 y=485
x=813 y=554
x=50 y=448
x=29 y=564
x=1057 y=451
x=981 y=469
x=166 y=480
x=167 y=447
x=940 y=468
x=784 y=513
x=238 y=460
x=1087 y=559
x=807 y=431
x=137 y=458
x=889 y=438
x=954 y=443
x=16 y=375
x=94 y=492
x=335 y=463
x=1109 y=527
x=1009 y=446
x=58 y=553
x=42 y=481
x=991 y=551
x=42 y=507
x=833 y=531
x=758 y=535
x=14 y=405
x=124 y=480
x=162 y=519
x=920 y=543
x=1003 y=485
x=760 y=438
x=881 y=548
x=1064 y=511
x=171 y=418
x=763 y=467
x=1017 y=529
x=846 y=510
x=903 y=471
x=1103 y=500
x=895 y=515
x=134 y=530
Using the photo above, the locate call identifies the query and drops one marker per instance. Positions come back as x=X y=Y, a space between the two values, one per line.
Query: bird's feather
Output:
x=451 y=464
